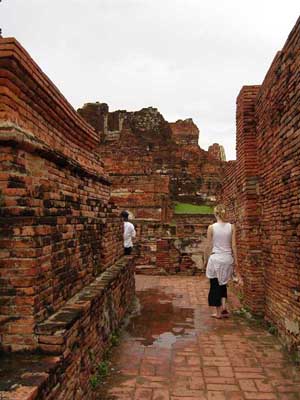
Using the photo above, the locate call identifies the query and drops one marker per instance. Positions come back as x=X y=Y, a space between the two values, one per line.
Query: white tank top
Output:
x=222 y=234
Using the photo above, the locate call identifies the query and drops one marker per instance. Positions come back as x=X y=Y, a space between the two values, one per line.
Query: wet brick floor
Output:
x=173 y=350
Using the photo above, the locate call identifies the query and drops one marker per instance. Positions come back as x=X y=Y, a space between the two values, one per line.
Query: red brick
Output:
x=247 y=385
x=260 y=396
x=211 y=395
x=143 y=394
x=160 y=394
x=225 y=387
x=261 y=192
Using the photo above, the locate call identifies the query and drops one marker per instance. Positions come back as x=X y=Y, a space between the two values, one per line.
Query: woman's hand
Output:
x=234 y=277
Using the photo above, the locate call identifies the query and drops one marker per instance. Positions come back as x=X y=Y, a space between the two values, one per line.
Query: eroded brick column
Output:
x=248 y=215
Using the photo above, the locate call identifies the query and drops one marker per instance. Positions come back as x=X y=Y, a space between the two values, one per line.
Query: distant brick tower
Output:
x=217 y=151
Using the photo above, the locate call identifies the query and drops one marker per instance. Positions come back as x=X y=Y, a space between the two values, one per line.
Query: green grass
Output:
x=185 y=208
x=115 y=338
x=103 y=369
x=94 y=381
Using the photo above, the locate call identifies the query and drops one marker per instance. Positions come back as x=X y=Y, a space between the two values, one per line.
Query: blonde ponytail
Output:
x=220 y=211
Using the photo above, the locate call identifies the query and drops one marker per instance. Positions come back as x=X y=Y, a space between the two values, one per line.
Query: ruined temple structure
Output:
x=153 y=164
x=262 y=192
x=64 y=285
x=217 y=152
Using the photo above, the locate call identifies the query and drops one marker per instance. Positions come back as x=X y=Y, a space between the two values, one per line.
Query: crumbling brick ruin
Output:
x=64 y=286
x=153 y=164
x=262 y=191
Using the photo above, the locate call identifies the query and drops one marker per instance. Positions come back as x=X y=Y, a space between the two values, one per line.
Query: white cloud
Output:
x=189 y=58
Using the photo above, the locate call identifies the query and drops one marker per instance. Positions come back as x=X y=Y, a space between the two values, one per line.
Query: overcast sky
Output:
x=188 y=58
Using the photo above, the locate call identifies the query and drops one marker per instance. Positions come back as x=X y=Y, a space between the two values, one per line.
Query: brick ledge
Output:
x=12 y=134
x=55 y=334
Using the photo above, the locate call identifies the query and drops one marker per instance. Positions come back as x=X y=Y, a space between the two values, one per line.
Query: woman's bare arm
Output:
x=233 y=244
x=208 y=247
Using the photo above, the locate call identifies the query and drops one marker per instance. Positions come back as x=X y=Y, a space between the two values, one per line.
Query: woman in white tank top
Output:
x=221 y=248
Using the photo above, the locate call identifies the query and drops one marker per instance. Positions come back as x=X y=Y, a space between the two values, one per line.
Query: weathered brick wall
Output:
x=25 y=101
x=196 y=176
x=192 y=225
x=175 y=248
x=145 y=247
x=185 y=132
x=147 y=146
x=180 y=256
x=145 y=196
x=216 y=151
x=54 y=240
x=75 y=339
x=230 y=191
x=58 y=227
x=266 y=196
x=249 y=211
x=232 y=198
x=240 y=194
x=278 y=140
x=153 y=163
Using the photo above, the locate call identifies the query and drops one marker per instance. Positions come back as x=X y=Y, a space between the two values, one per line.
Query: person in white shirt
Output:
x=129 y=233
x=221 y=249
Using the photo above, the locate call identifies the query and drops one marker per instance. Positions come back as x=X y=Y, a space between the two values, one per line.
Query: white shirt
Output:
x=222 y=236
x=220 y=262
x=129 y=233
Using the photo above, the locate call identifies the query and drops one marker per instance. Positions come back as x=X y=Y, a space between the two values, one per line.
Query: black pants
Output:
x=127 y=251
x=216 y=292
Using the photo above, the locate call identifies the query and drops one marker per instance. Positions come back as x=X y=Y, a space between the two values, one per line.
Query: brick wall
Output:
x=74 y=339
x=216 y=151
x=145 y=196
x=192 y=225
x=230 y=190
x=185 y=132
x=249 y=211
x=150 y=149
x=175 y=248
x=33 y=103
x=278 y=127
x=262 y=191
x=59 y=229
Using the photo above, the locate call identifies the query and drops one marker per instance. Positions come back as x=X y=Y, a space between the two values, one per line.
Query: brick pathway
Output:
x=174 y=350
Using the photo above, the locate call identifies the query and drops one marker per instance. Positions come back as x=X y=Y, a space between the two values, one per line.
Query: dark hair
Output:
x=124 y=214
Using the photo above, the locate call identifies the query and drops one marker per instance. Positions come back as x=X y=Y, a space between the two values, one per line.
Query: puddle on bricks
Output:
x=173 y=321
x=160 y=321
x=157 y=321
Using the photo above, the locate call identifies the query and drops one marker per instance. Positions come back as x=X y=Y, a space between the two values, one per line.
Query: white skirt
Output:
x=220 y=266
